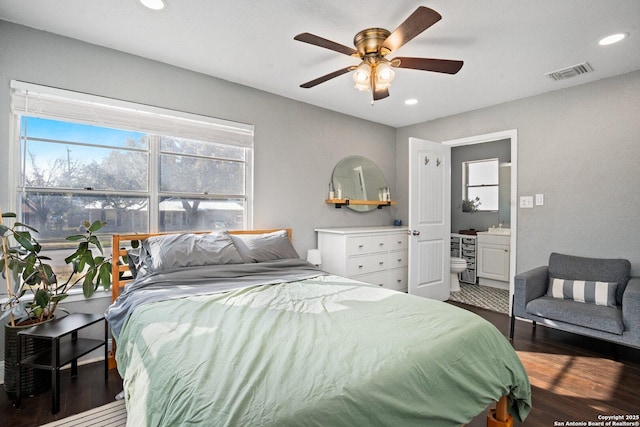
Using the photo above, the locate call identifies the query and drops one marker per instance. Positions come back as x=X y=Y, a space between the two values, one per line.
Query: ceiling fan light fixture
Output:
x=384 y=76
x=374 y=73
x=362 y=76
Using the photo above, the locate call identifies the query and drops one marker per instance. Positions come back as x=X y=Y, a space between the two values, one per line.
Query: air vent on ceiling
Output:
x=567 y=73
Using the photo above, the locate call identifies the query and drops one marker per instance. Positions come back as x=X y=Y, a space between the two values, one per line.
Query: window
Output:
x=136 y=167
x=480 y=184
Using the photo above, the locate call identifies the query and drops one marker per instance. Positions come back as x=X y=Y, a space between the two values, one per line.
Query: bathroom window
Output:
x=480 y=185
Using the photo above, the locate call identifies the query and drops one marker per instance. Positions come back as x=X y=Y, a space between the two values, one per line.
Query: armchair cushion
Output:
x=606 y=319
x=599 y=293
x=593 y=269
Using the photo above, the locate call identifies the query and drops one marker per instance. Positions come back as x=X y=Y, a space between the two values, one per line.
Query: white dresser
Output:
x=376 y=255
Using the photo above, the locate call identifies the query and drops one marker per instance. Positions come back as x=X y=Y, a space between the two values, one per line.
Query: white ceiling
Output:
x=507 y=45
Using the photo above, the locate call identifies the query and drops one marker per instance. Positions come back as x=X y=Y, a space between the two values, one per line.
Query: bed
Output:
x=234 y=329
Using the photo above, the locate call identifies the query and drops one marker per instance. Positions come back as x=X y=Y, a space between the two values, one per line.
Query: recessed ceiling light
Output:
x=153 y=4
x=411 y=101
x=613 y=38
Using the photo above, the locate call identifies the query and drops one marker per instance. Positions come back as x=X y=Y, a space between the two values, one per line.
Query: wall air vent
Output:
x=567 y=73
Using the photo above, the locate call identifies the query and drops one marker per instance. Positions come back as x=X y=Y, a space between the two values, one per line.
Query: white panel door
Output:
x=429 y=219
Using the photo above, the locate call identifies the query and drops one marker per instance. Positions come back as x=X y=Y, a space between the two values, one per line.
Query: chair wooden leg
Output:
x=499 y=417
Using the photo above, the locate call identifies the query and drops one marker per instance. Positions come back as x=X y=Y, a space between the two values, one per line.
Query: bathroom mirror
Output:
x=359 y=179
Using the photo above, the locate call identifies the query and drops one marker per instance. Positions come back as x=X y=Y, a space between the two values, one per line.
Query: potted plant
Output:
x=471 y=205
x=34 y=291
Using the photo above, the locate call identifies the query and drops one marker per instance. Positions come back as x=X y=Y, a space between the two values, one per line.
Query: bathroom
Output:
x=482 y=282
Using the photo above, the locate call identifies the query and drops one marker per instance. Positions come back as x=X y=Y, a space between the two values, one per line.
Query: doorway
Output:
x=511 y=138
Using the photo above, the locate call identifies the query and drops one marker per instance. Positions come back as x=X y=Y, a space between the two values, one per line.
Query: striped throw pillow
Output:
x=592 y=292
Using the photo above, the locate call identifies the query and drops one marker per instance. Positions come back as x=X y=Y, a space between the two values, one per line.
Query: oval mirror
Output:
x=359 y=179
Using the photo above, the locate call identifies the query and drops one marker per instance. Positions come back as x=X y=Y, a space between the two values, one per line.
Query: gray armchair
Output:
x=615 y=317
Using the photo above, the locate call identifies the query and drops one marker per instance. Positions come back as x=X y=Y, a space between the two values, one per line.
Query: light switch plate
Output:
x=539 y=199
x=526 y=201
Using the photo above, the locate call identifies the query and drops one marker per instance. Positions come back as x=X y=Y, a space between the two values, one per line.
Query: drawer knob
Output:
x=381 y=244
x=380 y=284
x=381 y=262
x=361 y=246
x=360 y=266
x=399 y=259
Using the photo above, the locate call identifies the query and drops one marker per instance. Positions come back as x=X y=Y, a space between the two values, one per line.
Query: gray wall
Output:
x=296 y=145
x=480 y=221
x=579 y=147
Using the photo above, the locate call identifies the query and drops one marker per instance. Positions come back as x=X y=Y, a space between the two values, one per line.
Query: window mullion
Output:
x=154 y=184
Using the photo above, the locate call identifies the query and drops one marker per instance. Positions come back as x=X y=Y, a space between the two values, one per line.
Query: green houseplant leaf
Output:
x=26 y=270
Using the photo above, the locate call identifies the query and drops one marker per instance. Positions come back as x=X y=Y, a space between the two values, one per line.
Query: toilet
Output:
x=458 y=265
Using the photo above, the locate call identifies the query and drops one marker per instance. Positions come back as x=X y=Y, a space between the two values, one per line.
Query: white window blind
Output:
x=52 y=103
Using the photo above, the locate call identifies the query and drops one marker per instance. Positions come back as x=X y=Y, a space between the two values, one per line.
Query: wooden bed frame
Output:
x=498 y=417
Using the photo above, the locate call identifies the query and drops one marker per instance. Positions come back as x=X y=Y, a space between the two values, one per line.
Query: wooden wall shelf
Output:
x=339 y=203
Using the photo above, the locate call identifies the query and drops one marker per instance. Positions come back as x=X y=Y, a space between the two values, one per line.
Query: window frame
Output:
x=195 y=127
x=466 y=185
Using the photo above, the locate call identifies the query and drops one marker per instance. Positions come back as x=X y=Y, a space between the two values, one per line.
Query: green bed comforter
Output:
x=318 y=352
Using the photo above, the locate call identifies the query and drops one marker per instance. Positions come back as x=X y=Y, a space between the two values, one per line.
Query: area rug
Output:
x=482 y=296
x=112 y=414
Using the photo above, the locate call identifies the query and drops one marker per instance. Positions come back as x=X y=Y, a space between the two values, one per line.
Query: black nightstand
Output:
x=62 y=351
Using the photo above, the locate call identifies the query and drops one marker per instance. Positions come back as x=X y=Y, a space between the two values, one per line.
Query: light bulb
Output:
x=384 y=75
x=362 y=76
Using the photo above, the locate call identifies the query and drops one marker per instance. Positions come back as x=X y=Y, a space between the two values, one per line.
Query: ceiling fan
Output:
x=375 y=71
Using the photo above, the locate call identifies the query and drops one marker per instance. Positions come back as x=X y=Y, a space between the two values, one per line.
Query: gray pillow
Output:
x=264 y=247
x=171 y=251
x=135 y=261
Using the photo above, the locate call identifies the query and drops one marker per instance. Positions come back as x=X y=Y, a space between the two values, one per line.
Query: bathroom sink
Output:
x=497 y=230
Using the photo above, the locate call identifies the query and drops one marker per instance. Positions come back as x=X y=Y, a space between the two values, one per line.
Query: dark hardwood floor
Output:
x=87 y=391
x=573 y=378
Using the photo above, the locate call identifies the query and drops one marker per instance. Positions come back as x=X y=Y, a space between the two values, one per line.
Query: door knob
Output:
x=415 y=233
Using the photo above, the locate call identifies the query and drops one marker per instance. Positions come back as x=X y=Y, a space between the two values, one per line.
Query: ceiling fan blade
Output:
x=324 y=78
x=379 y=94
x=421 y=19
x=448 y=66
x=327 y=44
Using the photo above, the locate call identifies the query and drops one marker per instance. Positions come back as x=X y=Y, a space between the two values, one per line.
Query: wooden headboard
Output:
x=122 y=242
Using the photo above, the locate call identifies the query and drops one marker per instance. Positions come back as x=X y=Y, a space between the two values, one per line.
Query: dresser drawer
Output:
x=366 y=264
x=378 y=279
x=398 y=279
x=397 y=259
x=397 y=241
x=395 y=279
x=361 y=245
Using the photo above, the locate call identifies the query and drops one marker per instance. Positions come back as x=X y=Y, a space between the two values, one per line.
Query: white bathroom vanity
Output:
x=494 y=250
